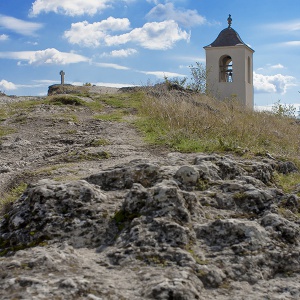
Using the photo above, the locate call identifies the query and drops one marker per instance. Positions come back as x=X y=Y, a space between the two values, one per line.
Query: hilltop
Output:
x=96 y=206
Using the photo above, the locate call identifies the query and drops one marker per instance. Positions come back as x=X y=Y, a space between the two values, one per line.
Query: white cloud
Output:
x=291 y=43
x=167 y=11
x=69 y=7
x=45 y=81
x=112 y=66
x=92 y=35
x=162 y=74
x=19 y=26
x=154 y=36
x=106 y=84
x=272 y=84
x=278 y=66
x=47 y=56
x=6 y=85
x=123 y=52
x=115 y=85
x=3 y=37
x=153 y=1
x=293 y=25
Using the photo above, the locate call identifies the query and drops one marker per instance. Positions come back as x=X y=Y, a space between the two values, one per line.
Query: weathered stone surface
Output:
x=187 y=227
x=141 y=224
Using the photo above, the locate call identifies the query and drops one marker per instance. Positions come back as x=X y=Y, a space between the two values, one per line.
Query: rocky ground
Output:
x=122 y=220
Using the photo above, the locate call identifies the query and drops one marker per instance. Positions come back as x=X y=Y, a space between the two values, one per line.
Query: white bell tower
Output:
x=229 y=65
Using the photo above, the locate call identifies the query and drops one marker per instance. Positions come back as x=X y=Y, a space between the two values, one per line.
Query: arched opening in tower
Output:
x=226 y=69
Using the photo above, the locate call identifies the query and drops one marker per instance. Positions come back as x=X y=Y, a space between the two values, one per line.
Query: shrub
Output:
x=284 y=110
x=197 y=81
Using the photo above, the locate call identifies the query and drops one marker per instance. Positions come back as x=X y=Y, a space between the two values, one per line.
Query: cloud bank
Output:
x=69 y=7
x=19 y=26
x=3 y=37
x=47 y=56
x=186 y=18
x=272 y=83
x=154 y=36
x=72 y=7
x=95 y=34
x=7 y=86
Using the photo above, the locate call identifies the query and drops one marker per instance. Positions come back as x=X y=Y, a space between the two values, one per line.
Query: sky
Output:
x=139 y=42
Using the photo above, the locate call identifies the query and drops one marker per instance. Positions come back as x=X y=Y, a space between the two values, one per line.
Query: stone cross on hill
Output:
x=62 y=77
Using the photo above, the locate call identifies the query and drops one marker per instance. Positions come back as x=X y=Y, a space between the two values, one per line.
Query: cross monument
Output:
x=62 y=77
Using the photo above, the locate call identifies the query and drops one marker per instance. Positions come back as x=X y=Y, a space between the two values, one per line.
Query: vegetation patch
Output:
x=4 y=130
x=194 y=122
x=287 y=182
x=66 y=117
x=24 y=106
x=3 y=114
x=11 y=196
x=124 y=100
x=202 y=184
x=6 y=247
x=116 y=116
x=98 y=143
x=65 y=100
x=88 y=156
x=94 y=105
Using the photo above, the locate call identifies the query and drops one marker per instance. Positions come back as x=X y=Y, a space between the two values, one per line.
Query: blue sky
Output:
x=136 y=42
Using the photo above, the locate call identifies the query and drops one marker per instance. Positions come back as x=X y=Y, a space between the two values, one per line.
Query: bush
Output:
x=284 y=110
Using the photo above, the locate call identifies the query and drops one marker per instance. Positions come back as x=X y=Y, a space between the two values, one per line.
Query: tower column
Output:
x=229 y=62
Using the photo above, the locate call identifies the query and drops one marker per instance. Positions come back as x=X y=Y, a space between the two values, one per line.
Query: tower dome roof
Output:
x=227 y=37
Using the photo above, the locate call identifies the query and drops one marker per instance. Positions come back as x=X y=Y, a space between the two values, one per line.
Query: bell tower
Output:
x=229 y=65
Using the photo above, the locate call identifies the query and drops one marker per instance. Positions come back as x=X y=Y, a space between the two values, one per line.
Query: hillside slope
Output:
x=106 y=216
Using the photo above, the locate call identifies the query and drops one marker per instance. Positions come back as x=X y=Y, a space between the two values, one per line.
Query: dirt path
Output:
x=64 y=142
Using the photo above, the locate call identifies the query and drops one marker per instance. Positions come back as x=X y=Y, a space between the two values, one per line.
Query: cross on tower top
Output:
x=229 y=20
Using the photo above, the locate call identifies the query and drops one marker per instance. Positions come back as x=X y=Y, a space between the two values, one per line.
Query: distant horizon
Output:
x=114 y=85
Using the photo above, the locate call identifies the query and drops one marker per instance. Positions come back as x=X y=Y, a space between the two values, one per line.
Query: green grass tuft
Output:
x=65 y=100
x=10 y=197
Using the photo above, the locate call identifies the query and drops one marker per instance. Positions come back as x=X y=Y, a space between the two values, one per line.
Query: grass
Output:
x=98 y=143
x=10 y=197
x=124 y=100
x=3 y=114
x=287 y=182
x=116 y=116
x=4 y=130
x=196 y=123
x=27 y=105
x=123 y=105
x=76 y=156
x=66 y=117
x=64 y=100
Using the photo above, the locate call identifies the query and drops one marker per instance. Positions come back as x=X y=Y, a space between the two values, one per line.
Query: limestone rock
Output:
x=186 y=227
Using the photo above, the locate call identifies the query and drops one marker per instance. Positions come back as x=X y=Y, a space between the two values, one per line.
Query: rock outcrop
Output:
x=184 y=227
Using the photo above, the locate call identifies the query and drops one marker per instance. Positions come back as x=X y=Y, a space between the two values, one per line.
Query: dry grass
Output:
x=7 y=199
x=192 y=122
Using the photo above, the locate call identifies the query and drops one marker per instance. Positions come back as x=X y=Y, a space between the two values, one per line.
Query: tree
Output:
x=198 y=79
